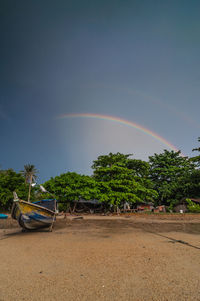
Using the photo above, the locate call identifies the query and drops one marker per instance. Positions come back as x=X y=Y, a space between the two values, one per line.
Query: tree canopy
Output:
x=71 y=186
x=11 y=181
x=196 y=159
x=168 y=171
x=118 y=181
x=30 y=175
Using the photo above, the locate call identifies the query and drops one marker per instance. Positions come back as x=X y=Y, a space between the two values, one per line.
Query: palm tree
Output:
x=30 y=174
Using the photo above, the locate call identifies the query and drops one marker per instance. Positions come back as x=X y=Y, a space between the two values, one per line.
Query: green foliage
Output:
x=140 y=168
x=29 y=173
x=71 y=186
x=11 y=181
x=192 y=207
x=170 y=172
x=105 y=167
x=118 y=180
x=189 y=185
x=196 y=159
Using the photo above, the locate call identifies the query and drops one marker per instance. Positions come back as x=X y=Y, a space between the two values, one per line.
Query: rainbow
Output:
x=124 y=122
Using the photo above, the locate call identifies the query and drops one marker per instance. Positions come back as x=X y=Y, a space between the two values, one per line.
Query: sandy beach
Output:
x=102 y=258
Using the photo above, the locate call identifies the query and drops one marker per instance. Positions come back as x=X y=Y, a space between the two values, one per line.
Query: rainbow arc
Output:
x=124 y=122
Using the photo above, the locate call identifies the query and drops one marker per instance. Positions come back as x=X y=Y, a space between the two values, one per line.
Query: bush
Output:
x=192 y=207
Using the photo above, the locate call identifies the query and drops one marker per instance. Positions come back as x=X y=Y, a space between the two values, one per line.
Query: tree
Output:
x=192 y=183
x=30 y=174
x=118 y=182
x=106 y=163
x=196 y=159
x=11 y=181
x=168 y=171
x=192 y=207
x=71 y=186
x=198 y=148
x=141 y=168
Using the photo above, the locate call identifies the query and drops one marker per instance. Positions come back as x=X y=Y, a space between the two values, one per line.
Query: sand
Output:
x=102 y=258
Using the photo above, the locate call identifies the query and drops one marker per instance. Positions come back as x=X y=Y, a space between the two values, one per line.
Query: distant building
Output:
x=148 y=206
x=90 y=206
x=159 y=209
x=182 y=205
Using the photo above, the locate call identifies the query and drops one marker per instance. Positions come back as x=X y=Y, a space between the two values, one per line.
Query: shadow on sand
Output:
x=107 y=228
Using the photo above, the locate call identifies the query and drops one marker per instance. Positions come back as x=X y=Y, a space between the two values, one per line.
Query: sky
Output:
x=132 y=60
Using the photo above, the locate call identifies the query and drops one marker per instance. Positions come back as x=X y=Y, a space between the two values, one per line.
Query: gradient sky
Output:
x=135 y=60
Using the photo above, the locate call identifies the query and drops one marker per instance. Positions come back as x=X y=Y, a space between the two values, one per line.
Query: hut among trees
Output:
x=186 y=204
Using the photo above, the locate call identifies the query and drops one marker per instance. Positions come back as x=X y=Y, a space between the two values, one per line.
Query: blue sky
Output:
x=136 y=60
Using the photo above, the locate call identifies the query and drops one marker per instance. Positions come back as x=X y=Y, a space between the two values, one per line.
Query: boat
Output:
x=3 y=216
x=36 y=215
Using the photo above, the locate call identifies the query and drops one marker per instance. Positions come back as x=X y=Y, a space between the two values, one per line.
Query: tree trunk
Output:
x=74 y=208
x=29 y=190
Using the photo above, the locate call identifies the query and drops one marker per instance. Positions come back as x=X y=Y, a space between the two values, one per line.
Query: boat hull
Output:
x=31 y=216
x=3 y=216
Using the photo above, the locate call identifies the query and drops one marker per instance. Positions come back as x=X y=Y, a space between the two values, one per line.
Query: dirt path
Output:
x=102 y=259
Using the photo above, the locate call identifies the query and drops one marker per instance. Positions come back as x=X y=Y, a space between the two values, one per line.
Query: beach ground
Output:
x=126 y=258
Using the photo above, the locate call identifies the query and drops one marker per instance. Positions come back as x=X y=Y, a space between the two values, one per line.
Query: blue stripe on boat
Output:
x=3 y=216
x=37 y=217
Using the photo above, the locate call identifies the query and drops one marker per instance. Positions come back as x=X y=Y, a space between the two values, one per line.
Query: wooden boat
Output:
x=35 y=215
x=3 y=216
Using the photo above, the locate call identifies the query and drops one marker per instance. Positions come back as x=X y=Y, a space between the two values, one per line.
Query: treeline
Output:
x=117 y=178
